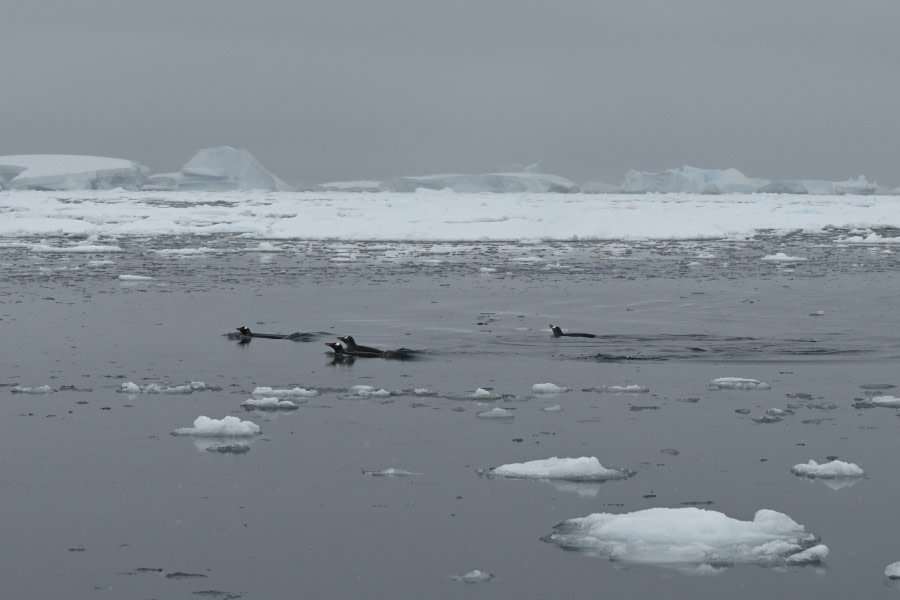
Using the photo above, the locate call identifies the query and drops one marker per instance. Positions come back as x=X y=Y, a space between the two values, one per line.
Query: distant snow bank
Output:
x=436 y=216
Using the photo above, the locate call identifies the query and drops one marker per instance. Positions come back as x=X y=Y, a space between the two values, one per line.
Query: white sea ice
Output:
x=391 y=472
x=474 y=576
x=135 y=278
x=367 y=390
x=548 y=388
x=570 y=469
x=157 y=388
x=483 y=394
x=830 y=470
x=782 y=257
x=624 y=389
x=43 y=389
x=70 y=172
x=269 y=404
x=280 y=393
x=858 y=186
x=229 y=426
x=496 y=413
x=737 y=383
x=892 y=570
x=890 y=401
x=685 y=536
x=553 y=408
x=86 y=246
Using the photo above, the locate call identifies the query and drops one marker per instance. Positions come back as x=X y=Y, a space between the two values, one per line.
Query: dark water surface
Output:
x=100 y=501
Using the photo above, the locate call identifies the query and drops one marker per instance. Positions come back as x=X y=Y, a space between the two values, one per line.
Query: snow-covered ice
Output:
x=738 y=383
x=269 y=404
x=858 y=186
x=683 y=536
x=228 y=426
x=70 y=172
x=391 y=472
x=623 y=389
x=831 y=470
x=366 y=391
x=473 y=576
x=892 y=570
x=42 y=389
x=552 y=408
x=782 y=257
x=128 y=277
x=548 y=388
x=497 y=183
x=585 y=468
x=890 y=401
x=130 y=387
x=281 y=393
x=496 y=413
x=436 y=216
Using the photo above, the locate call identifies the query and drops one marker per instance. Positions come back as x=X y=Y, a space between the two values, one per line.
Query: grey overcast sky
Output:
x=323 y=90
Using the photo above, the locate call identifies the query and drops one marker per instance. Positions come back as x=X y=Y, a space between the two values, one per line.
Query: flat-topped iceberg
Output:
x=691 y=536
x=60 y=172
x=831 y=470
x=585 y=468
x=858 y=186
x=498 y=183
x=223 y=168
x=691 y=180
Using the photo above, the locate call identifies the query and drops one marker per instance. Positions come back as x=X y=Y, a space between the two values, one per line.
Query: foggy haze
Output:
x=342 y=90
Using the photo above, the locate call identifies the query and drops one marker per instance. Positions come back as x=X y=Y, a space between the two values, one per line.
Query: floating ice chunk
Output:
x=135 y=278
x=548 y=388
x=229 y=426
x=475 y=576
x=831 y=470
x=678 y=536
x=496 y=413
x=782 y=257
x=297 y=391
x=892 y=570
x=269 y=404
x=44 y=389
x=483 y=394
x=737 y=383
x=891 y=401
x=367 y=390
x=158 y=388
x=553 y=408
x=487 y=270
x=570 y=469
x=130 y=388
x=622 y=389
x=391 y=472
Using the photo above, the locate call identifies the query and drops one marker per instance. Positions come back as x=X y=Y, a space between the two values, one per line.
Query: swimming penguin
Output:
x=354 y=348
x=557 y=332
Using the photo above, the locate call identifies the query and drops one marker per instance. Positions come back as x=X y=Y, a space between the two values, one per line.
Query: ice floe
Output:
x=889 y=401
x=43 y=389
x=281 y=393
x=782 y=257
x=738 y=383
x=474 y=576
x=158 y=388
x=585 y=468
x=127 y=277
x=498 y=183
x=226 y=427
x=892 y=570
x=621 y=389
x=390 y=472
x=548 y=388
x=366 y=391
x=691 y=536
x=836 y=469
x=552 y=408
x=496 y=413
x=269 y=404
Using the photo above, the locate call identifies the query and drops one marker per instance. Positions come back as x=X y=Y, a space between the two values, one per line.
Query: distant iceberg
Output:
x=351 y=186
x=221 y=168
x=691 y=180
x=61 y=172
x=857 y=186
x=497 y=183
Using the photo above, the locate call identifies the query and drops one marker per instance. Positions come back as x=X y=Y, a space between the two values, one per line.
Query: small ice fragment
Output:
x=367 y=390
x=44 y=389
x=553 y=408
x=482 y=393
x=130 y=388
x=548 y=388
x=737 y=383
x=134 y=278
x=475 y=576
x=391 y=472
x=269 y=404
x=890 y=401
x=830 y=470
x=813 y=555
x=892 y=570
x=496 y=413
x=229 y=426
x=585 y=468
x=782 y=257
x=624 y=389
x=297 y=391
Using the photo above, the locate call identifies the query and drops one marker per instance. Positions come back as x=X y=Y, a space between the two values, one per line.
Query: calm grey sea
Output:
x=100 y=501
